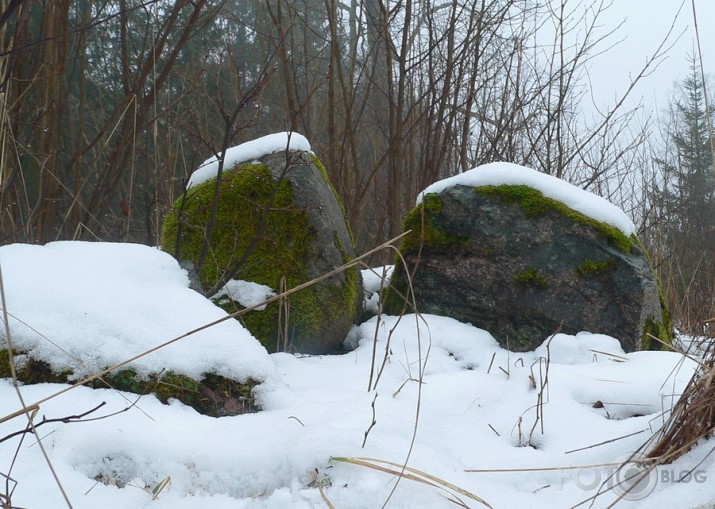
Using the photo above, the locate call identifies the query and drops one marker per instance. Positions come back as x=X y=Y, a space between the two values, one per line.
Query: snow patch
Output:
x=582 y=348
x=246 y=293
x=371 y=284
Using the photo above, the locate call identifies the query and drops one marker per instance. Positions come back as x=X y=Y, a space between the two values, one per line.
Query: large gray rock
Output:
x=304 y=236
x=522 y=266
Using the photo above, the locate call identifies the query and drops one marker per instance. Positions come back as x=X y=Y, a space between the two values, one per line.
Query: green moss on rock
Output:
x=282 y=249
x=352 y=286
x=660 y=331
x=534 y=203
x=214 y=395
x=29 y=370
x=422 y=220
x=665 y=328
x=595 y=268
x=531 y=277
x=245 y=194
x=435 y=229
x=279 y=257
x=426 y=231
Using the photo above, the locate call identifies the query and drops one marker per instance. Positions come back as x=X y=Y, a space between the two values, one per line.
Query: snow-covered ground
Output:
x=475 y=408
x=468 y=420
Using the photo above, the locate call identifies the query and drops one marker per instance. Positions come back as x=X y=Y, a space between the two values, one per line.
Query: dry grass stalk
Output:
x=318 y=482
x=283 y=343
x=413 y=474
x=693 y=416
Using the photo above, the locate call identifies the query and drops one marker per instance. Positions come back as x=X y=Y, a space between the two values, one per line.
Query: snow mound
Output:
x=249 y=151
x=246 y=293
x=582 y=348
x=580 y=200
x=85 y=306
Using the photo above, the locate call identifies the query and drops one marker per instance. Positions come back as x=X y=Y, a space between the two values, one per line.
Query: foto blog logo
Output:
x=629 y=478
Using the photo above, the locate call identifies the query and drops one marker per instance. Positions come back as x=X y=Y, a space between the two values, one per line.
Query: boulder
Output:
x=303 y=236
x=212 y=395
x=103 y=304
x=522 y=265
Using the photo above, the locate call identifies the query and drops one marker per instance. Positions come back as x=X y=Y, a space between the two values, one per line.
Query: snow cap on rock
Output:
x=249 y=151
x=580 y=200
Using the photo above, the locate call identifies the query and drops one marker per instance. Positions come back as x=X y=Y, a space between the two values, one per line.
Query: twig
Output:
x=294 y=417
x=607 y=354
x=372 y=424
x=548 y=469
x=66 y=420
x=377 y=327
x=491 y=362
x=605 y=442
x=319 y=484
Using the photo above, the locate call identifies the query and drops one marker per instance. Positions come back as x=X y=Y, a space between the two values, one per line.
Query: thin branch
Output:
x=65 y=420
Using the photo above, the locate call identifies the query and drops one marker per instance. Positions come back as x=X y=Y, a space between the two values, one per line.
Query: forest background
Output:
x=107 y=106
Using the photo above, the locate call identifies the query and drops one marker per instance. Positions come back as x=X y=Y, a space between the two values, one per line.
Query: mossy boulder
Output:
x=128 y=306
x=213 y=395
x=524 y=266
x=280 y=224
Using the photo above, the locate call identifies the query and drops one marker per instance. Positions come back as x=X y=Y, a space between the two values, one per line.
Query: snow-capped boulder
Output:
x=524 y=255
x=79 y=308
x=303 y=236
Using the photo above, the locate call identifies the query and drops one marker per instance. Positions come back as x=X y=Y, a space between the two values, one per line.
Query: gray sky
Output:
x=646 y=24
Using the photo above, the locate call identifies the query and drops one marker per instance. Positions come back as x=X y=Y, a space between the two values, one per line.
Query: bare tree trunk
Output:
x=286 y=68
x=55 y=23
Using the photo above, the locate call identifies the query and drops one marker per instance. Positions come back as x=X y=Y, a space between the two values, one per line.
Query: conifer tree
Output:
x=690 y=202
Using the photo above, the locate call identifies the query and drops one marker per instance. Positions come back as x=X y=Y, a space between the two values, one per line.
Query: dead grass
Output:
x=692 y=417
x=402 y=471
